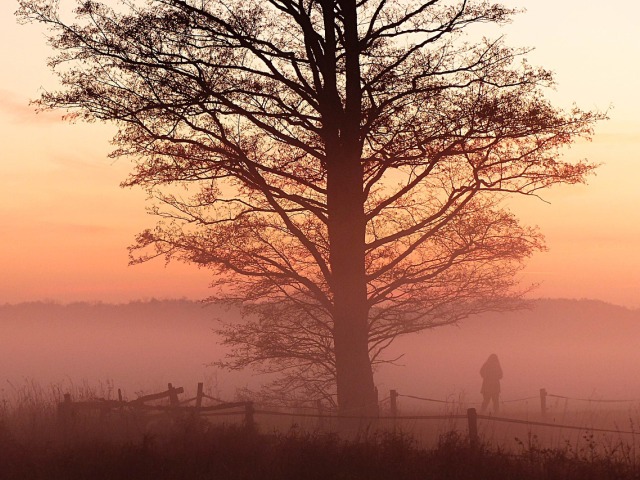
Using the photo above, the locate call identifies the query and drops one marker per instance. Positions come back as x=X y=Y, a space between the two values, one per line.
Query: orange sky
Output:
x=65 y=223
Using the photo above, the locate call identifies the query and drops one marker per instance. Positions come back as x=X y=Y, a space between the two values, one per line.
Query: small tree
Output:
x=338 y=165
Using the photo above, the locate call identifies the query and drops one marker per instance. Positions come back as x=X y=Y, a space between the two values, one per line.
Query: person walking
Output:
x=491 y=373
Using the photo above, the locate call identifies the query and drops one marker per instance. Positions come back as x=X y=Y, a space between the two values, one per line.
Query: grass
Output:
x=34 y=446
x=235 y=453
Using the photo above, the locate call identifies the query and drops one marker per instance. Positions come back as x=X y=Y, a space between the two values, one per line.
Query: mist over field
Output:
x=575 y=348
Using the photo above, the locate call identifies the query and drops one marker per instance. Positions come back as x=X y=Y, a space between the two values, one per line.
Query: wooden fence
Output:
x=69 y=410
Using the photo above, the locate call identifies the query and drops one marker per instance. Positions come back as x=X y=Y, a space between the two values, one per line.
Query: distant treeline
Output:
x=171 y=310
x=158 y=311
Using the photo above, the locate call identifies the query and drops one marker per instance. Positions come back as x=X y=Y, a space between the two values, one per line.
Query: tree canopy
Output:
x=339 y=165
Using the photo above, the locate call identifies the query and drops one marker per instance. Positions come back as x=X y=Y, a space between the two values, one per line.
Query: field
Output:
x=575 y=348
x=35 y=445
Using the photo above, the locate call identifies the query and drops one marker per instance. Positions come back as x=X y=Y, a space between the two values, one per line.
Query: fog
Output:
x=578 y=349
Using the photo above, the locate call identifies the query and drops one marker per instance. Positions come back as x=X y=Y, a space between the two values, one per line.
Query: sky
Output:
x=65 y=223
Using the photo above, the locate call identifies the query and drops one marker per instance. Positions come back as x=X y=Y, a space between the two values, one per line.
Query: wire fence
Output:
x=320 y=416
x=595 y=400
x=556 y=425
x=540 y=396
x=525 y=399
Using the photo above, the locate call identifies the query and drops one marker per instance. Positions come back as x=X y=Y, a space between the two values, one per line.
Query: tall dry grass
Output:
x=33 y=445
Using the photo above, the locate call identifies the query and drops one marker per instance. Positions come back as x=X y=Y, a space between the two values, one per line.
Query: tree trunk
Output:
x=354 y=376
x=346 y=218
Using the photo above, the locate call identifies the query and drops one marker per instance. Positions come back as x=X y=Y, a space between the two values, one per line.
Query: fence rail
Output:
x=542 y=396
x=68 y=410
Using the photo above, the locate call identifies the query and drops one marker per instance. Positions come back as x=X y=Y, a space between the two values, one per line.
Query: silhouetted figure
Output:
x=491 y=373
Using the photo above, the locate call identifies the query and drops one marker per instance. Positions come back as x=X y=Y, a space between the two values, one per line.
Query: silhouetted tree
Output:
x=338 y=165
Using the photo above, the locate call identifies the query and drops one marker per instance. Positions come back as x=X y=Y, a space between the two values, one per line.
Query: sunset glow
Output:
x=66 y=224
x=319 y=239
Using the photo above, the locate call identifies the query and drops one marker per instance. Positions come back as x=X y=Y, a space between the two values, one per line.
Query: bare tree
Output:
x=339 y=165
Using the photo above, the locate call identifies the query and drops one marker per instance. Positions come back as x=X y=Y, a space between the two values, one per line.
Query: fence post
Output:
x=121 y=406
x=472 y=419
x=199 y=396
x=543 y=401
x=249 y=421
x=393 y=401
x=173 y=396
